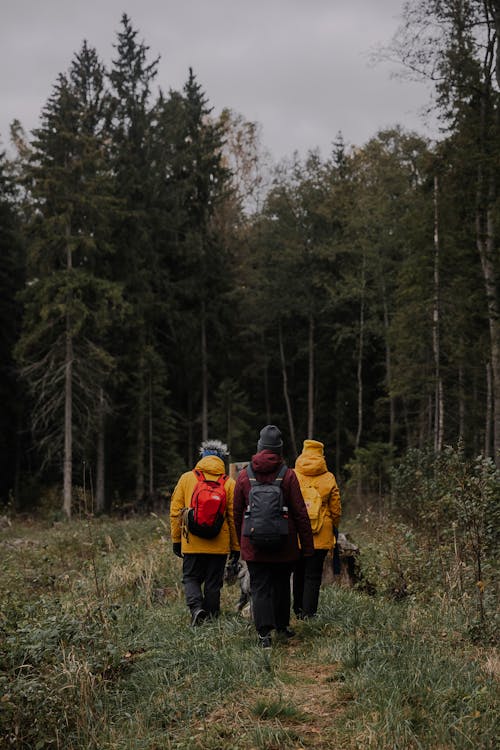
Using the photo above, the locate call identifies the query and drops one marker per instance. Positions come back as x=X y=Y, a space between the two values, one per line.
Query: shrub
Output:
x=455 y=501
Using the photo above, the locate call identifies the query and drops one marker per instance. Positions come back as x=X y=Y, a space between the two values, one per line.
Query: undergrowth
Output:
x=96 y=652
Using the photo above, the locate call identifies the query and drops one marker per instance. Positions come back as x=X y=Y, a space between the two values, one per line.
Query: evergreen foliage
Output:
x=12 y=270
x=169 y=298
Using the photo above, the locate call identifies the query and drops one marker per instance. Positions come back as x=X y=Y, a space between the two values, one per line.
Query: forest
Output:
x=162 y=281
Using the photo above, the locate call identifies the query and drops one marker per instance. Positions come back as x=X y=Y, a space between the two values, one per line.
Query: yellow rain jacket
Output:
x=312 y=472
x=212 y=467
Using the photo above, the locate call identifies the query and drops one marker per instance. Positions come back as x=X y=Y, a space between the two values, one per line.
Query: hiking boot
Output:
x=285 y=634
x=265 y=641
x=198 y=616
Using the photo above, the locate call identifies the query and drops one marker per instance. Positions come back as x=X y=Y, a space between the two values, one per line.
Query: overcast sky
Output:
x=300 y=68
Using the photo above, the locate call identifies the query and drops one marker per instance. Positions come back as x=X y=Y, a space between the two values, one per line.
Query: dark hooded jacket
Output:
x=266 y=466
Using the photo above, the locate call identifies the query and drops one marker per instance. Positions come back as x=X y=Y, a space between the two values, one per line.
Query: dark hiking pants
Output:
x=270 y=592
x=202 y=576
x=307 y=576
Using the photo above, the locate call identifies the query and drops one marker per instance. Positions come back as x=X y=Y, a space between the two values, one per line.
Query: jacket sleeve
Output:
x=300 y=515
x=233 y=536
x=177 y=505
x=334 y=503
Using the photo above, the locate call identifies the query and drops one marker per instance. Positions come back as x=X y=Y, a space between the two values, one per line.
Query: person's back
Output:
x=270 y=567
x=322 y=497
x=204 y=551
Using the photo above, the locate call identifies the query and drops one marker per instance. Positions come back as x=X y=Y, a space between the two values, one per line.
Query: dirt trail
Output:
x=303 y=707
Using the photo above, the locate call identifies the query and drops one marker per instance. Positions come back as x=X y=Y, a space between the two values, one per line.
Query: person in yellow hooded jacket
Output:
x=203 y=559
x=322 y=498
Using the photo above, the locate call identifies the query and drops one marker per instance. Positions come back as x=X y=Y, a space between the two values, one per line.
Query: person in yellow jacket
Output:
x=204 y=557
x=322 y=498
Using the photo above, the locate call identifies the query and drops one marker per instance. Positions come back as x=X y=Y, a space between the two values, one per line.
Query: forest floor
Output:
x=96 y=651
x=303 y=707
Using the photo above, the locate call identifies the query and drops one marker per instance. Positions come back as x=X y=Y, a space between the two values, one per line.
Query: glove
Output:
x=176 y=547
x=234 y=557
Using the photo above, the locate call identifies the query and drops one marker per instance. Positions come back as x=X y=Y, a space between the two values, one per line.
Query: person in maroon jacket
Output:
x=270 y=569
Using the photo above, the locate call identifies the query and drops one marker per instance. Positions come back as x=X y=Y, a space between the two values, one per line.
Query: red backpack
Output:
x=208 y=506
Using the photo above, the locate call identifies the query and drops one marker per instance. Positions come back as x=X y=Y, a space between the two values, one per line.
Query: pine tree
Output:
x=132 y=146
x=12 y=264
x=68 y=308
x=195 y=187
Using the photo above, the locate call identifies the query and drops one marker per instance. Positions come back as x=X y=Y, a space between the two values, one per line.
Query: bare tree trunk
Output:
x=359 y=369
x=388 y=373
x=436 y=342
x=388 y=355
x=204 y=374
x=141 y=438
x=68 y=401
x=310 y=384
x=337 y=435
x=150 y=438
x=17 y=474
x=476 y=444
x=229 y=419
x=485 y=245
x=266 y=392
x=68 y=423
x=190 y=431
x=488 y=412
x=461 y=403
x=100 y=500
x=486 y=194
x=410 y=441
x=496 y=20
x=359 y=377
x=430 y=414
x=285 y=392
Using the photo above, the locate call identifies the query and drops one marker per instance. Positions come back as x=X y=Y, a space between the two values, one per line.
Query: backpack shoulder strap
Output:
x=199 y=475
x=281 y=474
x=277 y=479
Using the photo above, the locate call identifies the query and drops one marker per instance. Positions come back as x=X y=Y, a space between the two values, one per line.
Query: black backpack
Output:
x=266 y=517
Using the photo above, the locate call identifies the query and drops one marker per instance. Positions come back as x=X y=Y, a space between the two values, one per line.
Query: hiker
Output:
x=202 y=529
x=322 y=498
x=266 y=483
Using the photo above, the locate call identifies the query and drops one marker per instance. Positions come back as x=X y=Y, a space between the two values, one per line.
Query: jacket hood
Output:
x=266 y=462
x=212 y=465
x=312 y=459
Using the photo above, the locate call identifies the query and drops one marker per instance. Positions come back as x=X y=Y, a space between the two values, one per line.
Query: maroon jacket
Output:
x=266 y=466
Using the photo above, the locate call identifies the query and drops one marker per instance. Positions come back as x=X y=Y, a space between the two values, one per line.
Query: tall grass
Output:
x=412 y=676
x=96 y=652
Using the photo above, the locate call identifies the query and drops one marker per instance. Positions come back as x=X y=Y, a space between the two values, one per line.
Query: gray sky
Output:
x=298 y=67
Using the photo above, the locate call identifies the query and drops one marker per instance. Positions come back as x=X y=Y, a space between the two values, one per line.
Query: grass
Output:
x=96 y=652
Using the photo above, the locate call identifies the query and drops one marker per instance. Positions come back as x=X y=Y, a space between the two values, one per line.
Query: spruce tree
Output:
x=195 y=186
x=68 y=307
x=12 y=264
x=135 y=263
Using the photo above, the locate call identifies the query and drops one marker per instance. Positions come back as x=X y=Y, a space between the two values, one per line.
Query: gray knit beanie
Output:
x=270 y=439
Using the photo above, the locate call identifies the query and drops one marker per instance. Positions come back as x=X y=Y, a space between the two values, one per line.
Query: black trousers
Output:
x=307 y=576
x=203 y=576
x=270 y=592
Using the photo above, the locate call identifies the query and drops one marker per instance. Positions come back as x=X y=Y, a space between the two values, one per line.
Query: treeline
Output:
x=155 y=291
